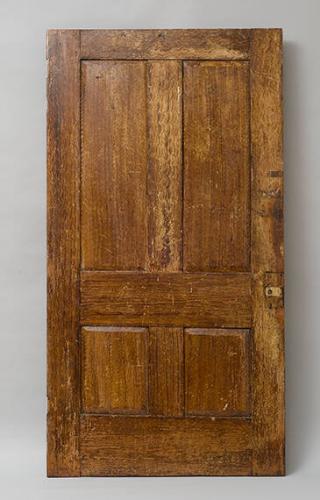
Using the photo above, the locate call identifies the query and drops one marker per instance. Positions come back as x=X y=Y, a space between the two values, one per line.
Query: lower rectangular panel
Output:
x=217 y=372
x=147 y=446
x=114 y=370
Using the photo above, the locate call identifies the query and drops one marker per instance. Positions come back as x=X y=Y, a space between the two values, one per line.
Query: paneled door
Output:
x=165 y=253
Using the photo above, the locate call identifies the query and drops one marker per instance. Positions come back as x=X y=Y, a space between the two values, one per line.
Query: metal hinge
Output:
x=273 y=291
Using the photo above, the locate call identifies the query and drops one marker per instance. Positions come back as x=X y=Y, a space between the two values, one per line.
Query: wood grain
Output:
x=171 y=299
x=267 y=251
x=63 y=163
x=165 y=248
x=146 y=446
x=114 y=370
x=267 y=151
x=165 y=44
x=216 y=166
x=114 y=169
x=166 y=372
x=217 y=372
x=164 y=165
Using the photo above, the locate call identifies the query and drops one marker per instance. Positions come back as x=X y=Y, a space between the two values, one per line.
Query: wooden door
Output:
x=165 y=253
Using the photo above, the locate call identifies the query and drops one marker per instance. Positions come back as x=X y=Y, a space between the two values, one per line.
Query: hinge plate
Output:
x=273 y=291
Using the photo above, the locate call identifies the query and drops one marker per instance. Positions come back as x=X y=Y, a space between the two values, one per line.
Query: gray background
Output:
x=22 y=248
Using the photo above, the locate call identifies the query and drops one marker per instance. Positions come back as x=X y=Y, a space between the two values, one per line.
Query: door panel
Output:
x=217 y=366
x=216 y=166
x=165 y=253
x=114 y=370
x=113 y=168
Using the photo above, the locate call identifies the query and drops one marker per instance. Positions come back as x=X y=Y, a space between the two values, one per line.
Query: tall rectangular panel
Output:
x=114 y=165
x=216 y=166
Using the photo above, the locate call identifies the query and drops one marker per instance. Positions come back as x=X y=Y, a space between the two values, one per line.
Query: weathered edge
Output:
x=63 y=176
x=267 y=251
x=215 y=44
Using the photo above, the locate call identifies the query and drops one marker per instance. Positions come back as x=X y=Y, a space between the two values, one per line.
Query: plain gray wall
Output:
x=22 y=248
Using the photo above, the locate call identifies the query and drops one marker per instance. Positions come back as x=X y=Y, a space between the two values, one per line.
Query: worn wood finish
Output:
x=172 y=299
x=166 y=372
x=114 y=370
x=217 y=372
x=267 y=251
x=146 y=446
x=63 y=252
x=165 y=44
x=216 y=166
x=114 y=169
x=165 y=165
x=165 y=253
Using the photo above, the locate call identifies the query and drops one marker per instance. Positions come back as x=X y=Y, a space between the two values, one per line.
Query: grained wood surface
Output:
x=63 y=161
x=267 y=151
x=267 y=251
x=217 y=372
x=165 y=165
x=166 y=371
x=165 y=44
x=165 y=252
x=145 y=446
x=216 y=166
x=114 y=370
x=172 y=299
x=114 y=169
